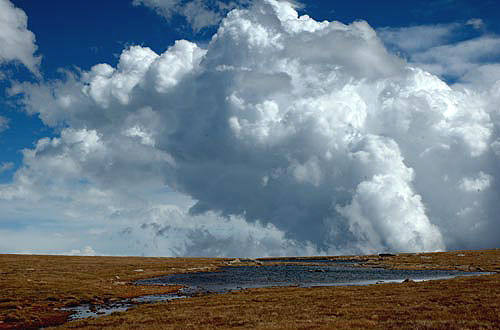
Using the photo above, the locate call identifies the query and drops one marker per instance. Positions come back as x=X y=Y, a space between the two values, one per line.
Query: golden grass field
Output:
x=33 y=288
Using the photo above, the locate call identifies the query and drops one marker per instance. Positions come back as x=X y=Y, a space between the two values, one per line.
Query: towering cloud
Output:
x=305 y=136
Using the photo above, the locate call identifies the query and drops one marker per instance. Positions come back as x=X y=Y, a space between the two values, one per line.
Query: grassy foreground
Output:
x=33 y=288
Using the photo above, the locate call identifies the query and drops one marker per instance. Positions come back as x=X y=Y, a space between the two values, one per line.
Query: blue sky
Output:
x=455 y=40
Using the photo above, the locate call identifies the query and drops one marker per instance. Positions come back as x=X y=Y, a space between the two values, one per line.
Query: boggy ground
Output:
x=31 y=287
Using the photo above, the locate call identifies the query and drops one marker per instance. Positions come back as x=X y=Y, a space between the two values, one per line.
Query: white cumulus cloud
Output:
x=87 y=251
x=17 y=43
x=283 y=135
x=481 y=182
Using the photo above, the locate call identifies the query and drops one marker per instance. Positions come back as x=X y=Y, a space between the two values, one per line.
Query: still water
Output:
x=236 y=278
x=233 y=278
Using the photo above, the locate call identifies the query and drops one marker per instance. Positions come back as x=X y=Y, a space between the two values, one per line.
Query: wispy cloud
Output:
x=6 y=166
x=199 y=14
x=4 y=124
x=435 y=48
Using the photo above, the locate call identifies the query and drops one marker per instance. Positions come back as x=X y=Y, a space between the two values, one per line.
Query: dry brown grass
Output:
x=33 y=288
x=481 y=260
x=458 y=303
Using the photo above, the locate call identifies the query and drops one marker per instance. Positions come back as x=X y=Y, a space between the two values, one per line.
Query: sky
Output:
x=249 y=127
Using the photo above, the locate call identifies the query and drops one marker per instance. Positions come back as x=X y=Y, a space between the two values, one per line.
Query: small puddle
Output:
x=87 y=310
x=233 y=278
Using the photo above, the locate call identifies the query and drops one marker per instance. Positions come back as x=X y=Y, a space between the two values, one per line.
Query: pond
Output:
x=231 y=278
x=236 y=278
